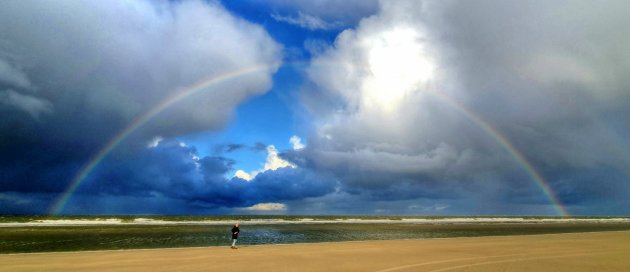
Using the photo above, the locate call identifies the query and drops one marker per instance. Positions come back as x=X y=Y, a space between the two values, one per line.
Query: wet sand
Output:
x=604 y=251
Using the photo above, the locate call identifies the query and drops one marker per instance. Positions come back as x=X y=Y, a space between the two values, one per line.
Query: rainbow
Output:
x=138 y=122
x=85 y=170
x=510 y=148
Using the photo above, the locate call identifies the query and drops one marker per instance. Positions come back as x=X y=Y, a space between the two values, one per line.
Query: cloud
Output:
x=13 y=76
x=296 y=142
x=272 y=162
x=398 y=101
x=87 y=70
x=315 y=46
x=317 y=12
x=267 y=207
x=135 y=57
x=15 y=203
x=174 y=174
x=233 y=147
x=154 y=142
x=169 y=178
x=304 y=20
x=244 y=175
x=32 y=105
x=409 y=106
x=259 y=147
x=202 y=182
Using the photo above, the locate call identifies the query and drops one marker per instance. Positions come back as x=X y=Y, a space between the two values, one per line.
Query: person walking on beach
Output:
x=235 y=232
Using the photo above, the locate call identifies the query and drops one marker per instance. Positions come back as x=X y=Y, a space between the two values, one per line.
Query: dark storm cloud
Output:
x=174 y=171
x=171 y=173
x=72 y=75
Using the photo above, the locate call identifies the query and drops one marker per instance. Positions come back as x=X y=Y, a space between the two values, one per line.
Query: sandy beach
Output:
x=603 y=251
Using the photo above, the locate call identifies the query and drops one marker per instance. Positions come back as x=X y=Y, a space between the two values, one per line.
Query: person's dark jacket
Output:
x=235 y=232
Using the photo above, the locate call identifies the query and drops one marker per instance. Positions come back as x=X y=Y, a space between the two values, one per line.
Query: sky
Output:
x=399 y=107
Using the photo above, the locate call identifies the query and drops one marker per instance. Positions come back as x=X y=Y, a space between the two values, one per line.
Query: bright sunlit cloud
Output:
x=273 y=162
x=244 y=175
x=296 y=142
x=399 y=65
x=267 y=207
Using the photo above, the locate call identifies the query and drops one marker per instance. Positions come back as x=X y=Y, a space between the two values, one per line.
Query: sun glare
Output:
x=399 y=65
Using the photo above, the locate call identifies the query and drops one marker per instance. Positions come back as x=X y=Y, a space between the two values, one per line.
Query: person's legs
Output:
x=233 y=243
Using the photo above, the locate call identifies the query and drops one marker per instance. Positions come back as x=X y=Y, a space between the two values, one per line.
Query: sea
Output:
x=46 y=234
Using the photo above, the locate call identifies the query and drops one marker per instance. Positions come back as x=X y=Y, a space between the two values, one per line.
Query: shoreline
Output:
x=53 y=238
x=454 y=220
x=313 y=243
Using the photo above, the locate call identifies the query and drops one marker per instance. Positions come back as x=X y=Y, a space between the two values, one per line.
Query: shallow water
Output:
x=72 y=238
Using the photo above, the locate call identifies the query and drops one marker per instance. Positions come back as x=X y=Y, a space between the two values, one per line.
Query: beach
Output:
x=598 y=251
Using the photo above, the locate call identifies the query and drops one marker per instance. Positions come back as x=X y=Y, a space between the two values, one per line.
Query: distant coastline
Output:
x=10 y=221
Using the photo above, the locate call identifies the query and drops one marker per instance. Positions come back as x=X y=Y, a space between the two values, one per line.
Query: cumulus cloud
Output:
x=244 y=175
x=296 y=142
x=272 y=162
x=136 y=56
x=399 y=98
x=381 y=71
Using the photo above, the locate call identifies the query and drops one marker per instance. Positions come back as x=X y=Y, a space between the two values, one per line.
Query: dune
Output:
x=601 y=251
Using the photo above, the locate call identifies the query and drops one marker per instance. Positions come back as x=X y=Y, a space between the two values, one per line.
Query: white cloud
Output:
x=304 y=20
x=343 y=13
x=272 y=163
x=267 y=207
x=244 y=175
x=377 y=67
x=382 y=72
x=120 y=59
x=402 y=95
x=296 y=142
x=154 y=142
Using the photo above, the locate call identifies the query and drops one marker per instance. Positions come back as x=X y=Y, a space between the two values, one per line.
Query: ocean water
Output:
x=110 y=237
